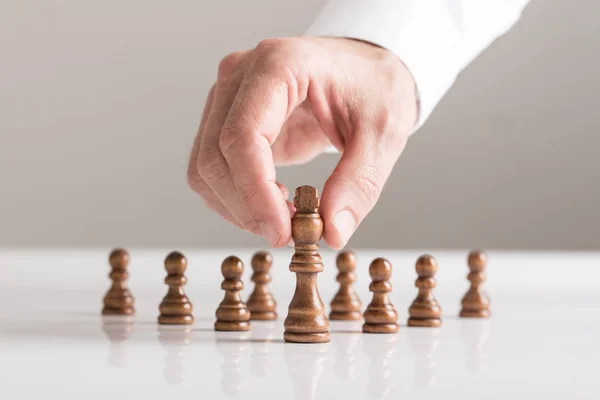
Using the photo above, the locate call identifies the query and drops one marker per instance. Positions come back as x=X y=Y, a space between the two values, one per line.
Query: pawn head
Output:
x=119 y=259
x=477 y=260
x=232 y=268
x=426 y=266
x=175 y=263
x=262 y=261
x=380 y=269
x=346 y=261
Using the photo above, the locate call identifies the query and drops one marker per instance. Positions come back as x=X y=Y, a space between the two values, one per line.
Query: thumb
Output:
x=355 y=185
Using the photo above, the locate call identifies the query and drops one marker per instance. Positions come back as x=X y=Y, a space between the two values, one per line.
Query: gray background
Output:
x=100 y=102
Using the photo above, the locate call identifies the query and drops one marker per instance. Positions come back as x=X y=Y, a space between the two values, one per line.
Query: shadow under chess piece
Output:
x=232 y=351
x=232 y=314
x=176 y=308
x=118 y=300
x=117 y=329
x=261 y=303
x=476 y=303
x=306 y=321
x=425 y=310
x=345 y=305
x=305 y=365
x=174 y=339
x=380 y=351
x=424 y=344
x=380 y=315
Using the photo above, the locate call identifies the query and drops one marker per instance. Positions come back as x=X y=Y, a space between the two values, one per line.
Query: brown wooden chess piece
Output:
x=261 y=303
x=306 y=321
x=176 y=308
x=380 y=315
x=232 y=314
x=425 y=310
x=476 y=303
x=118 y=300
x=345 y=305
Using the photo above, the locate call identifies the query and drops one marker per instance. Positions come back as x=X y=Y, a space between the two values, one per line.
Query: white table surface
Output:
x=543 y=340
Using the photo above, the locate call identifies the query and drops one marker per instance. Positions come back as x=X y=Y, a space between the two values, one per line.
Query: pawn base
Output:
x=263 y=315
x=232 y=326
x=345 y=316
x=118 y=311
x=380 y=328
x=321 y=337
x=475 y=313
x=425 y=322
x=175 y=319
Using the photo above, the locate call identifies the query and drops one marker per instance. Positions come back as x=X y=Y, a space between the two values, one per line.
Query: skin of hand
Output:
x=283 y=103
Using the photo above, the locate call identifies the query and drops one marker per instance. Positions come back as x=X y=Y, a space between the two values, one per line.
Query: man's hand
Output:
x=284 y=102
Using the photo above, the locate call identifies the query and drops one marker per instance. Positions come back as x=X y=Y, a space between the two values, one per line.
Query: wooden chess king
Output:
x=306 y=321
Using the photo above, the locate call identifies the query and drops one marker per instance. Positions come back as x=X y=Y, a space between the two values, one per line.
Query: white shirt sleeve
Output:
x=435 y=39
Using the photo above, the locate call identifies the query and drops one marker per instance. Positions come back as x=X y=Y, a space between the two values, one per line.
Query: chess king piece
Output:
x=176 y=308
x=261 y=303
x=345 y=305
x=380 y=315
x=232 y=314
x=476 y=303
x=306 y=321
x=118 y=299
x=425 y=310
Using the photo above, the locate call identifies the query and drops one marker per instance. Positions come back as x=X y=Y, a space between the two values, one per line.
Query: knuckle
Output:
x=210 y=167
x=229 y=64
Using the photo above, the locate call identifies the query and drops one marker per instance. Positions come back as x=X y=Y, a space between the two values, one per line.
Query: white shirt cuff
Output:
x=434 y=39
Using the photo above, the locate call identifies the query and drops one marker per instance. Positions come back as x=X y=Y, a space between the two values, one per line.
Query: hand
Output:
x=284 y=102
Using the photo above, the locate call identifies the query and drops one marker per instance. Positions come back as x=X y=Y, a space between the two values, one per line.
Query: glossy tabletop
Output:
x=543 y=340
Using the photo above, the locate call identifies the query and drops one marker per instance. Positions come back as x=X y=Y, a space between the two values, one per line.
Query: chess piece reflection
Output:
x=476 y=303
x=176 y=308
x=380 y=350
x=345 y=304
x=118 y=300
x=232 y=314
x=475 y=334
x=232 y=350
x=424 y=344
x=346 y=358
x=260 y=360
x=380 y=315
x=425 y=310
x=305 y=366
x=175 y=340
x=261 y=303
x=117 y=329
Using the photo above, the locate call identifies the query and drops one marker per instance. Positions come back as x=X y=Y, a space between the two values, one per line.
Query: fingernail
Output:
x=290 y=243
x=345 y=224
x=270 y=234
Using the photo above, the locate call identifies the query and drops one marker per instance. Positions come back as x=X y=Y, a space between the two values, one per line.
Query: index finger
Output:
x=256 y=117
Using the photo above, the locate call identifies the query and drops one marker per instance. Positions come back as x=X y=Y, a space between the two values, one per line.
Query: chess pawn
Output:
x=476 y=303
x=232 y=314
x=261 y=303
x=380 y=315
x=345 y=305
x=425 y=310
x=176 y=308
x=118 y=299
x=306 y=321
